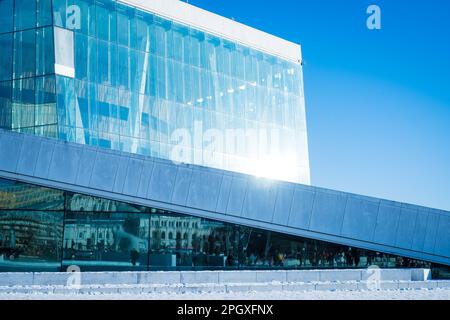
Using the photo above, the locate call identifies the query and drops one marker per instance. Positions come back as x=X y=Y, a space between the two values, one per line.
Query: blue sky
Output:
x=378 y=102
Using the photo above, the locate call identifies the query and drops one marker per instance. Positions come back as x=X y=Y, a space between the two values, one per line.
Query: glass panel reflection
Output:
x=168 y=76
x=24 y=14
x=48 y=230
x=83 y=203
x=16 y=195
x=106 y=240
x=30 y=240
x=6 y=18
x=184 y=242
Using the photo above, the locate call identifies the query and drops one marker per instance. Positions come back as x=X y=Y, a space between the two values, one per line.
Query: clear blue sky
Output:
x=378 y=102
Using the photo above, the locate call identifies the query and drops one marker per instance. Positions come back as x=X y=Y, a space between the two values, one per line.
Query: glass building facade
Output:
x=49 y=230
x=102 y=73
x=105 y=74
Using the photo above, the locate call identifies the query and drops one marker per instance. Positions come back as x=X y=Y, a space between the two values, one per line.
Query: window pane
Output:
x=106 y=241
x=24 y=14
x=83 y=203
x=85 y=58
x=124 y=67
x=17 y=195
x=106 y=20
x=81 y=56
x=24 y=54
x=144 y=30
x=45 y=63
x=161 y=31
x=59 y=13
x=44 y=13
x=86 y=106
x=182 y=241
x=5 y=104
x=23 y=105
x=66 y=108
x=45 y=111
x=6 y=58
x=31 y=239
x=87 y=16
x=107 y=63
x=126 y=25
x=6 y=18
x=179 y=36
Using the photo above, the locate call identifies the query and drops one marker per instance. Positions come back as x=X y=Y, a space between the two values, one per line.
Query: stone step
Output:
x=224 y=288
x=212 y=277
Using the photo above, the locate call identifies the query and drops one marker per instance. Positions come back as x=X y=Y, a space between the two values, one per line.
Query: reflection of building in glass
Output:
x=177 y=232
x=161 y=240
x=21 y=196
x=30 y=236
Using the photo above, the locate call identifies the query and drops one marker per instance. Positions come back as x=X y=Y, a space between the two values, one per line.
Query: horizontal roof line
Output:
x=221 y=26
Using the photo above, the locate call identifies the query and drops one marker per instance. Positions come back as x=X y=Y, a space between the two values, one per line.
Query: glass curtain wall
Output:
x=139 y=78
x=48 y=230
x=27 y=80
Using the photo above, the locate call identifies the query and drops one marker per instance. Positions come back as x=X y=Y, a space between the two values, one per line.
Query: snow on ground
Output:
x=424 y=294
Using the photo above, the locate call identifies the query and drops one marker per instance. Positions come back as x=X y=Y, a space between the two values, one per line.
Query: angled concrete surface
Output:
x=338 y=217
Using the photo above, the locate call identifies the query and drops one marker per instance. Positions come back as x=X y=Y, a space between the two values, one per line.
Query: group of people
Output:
x=316 y=257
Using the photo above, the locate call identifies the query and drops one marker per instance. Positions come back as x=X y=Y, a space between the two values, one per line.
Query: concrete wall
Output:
x=316 y=213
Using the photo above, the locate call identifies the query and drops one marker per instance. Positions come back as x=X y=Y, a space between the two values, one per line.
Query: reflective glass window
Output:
x=187 y=242
x=45 y=109
x=124 y=67
x=144 y=30
x=81 y=56
x=24 y=62
x=106 y=20
x=59 y=12
x=44 y=13
x=5 y=104
x=6 y=58
x=180 y=35
x=161 y=34
x=87 y=16
x=87 y=117
x=65 y=103
x=17 y=195
x=23 y=99
x=106 y=63
x=30 y=240
x=40 y=227
x=106 y=241
x=45 y=59
x=85 y=58
x=126 y=26
x=24 y=14
x=6 y=18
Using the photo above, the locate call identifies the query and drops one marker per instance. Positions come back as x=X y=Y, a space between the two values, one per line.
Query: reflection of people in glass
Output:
x=127 y=242
x=12 y=239
x=134 y=256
